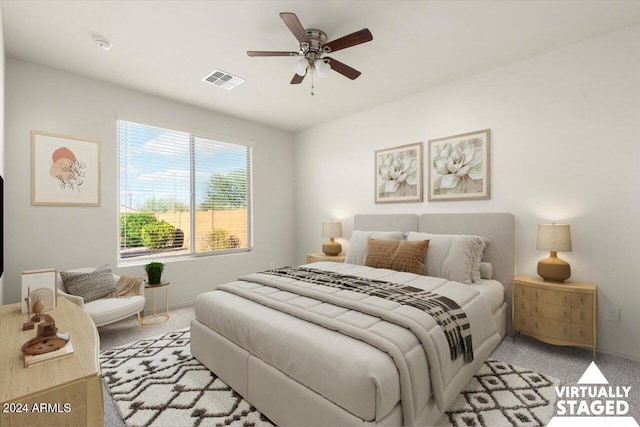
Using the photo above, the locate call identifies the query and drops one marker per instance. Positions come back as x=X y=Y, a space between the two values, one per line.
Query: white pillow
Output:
x=357 y=250
x=453 y=256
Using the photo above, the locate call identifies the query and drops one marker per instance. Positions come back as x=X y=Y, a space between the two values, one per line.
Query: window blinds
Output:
x=181 y=194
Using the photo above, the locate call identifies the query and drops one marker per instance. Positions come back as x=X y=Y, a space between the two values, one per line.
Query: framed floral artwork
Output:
x=65 y=170
x=399 y=174
x=459 y=167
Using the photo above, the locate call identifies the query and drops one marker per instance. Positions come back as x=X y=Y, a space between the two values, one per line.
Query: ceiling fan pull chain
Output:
x=312 y=75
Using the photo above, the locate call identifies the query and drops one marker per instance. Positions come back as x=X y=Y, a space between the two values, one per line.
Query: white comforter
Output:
x=424 y=368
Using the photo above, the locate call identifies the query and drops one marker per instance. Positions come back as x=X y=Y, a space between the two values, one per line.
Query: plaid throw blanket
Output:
x=446 y=312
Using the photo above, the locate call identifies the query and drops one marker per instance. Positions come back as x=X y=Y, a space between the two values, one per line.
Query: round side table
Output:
x=157 y=318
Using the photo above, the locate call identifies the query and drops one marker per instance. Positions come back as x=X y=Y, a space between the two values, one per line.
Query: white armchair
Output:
x=106 y=310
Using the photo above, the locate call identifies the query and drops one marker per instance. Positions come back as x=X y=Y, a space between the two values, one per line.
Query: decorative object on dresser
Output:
x=39 y=285
x=319 y=256
x=554 y=238
x=72 y=384
x=331 y=229
x=560 y=314
x=460 y=167
x=399 y=174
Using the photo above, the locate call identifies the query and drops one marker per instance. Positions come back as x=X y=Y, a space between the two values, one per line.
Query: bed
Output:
x=304 y=358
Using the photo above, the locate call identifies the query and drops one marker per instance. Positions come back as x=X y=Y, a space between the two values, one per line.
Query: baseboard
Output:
x=624 y=356
x=181 y=305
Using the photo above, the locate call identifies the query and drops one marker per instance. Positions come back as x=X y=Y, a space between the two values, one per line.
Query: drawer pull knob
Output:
x=523 y=306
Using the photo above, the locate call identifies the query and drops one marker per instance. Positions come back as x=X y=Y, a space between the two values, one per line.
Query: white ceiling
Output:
x=167 y=47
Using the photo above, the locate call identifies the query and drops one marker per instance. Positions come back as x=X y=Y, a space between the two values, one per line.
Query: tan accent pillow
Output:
x=398 y=255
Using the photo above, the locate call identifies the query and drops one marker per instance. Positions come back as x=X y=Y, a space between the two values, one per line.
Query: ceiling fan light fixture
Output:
x=322 y=68
x=300 y=66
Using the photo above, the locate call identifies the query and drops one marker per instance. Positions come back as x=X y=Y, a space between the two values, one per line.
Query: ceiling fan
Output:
x=314 y=47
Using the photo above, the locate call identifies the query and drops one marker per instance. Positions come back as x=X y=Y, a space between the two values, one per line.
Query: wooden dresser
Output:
x=556 y=313
x=61 y=392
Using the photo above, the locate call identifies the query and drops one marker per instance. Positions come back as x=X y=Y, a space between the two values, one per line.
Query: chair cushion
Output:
x=108 y=310
x=90 y=286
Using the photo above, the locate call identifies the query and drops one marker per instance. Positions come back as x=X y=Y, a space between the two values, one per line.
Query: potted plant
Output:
x=154 y=272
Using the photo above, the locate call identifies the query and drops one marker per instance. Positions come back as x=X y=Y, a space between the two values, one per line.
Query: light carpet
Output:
x=156 y=382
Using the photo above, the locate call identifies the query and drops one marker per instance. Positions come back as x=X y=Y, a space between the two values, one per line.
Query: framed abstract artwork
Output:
x=65 y=170
x=459 y=167
x=398 y=174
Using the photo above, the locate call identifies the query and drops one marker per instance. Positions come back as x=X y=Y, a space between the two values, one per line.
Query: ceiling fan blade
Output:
x=270 y=53
x=343 y=68
x=349 y=40
x=297 y=79
x=292 y=21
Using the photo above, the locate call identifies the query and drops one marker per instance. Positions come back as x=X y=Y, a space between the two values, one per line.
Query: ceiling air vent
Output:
x=223 y=79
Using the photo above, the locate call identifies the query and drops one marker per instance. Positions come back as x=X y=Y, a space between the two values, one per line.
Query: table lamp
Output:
x=555 y=238
x=332 y=229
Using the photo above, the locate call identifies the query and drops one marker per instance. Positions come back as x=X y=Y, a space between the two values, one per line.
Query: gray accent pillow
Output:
x=357 y=250
x=454 y=257
x=90 y=286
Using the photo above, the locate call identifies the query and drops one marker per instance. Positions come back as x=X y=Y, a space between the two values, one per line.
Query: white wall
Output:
x=67 y=237
x=565 y=130
x=2 y=142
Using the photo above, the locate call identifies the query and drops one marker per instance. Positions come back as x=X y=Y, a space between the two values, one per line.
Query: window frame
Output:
x=193 y=133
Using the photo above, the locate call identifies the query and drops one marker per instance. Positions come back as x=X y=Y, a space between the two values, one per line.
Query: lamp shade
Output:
x=332 y=229
x=554 y=237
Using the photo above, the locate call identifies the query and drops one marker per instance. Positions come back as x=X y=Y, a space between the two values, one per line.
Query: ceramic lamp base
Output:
x=332 y=248
x=553 y=269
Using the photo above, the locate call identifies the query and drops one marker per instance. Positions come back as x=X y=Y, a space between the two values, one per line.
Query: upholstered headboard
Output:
x=499 y=228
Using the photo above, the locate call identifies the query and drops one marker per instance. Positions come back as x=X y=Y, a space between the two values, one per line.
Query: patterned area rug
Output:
x=500 y=394
x=156 y=382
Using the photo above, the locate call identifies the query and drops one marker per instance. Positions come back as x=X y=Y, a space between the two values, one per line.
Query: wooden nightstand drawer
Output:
x=319 y=257
x=522 y=291
x=523 y=322
x=581 y=300
x=582 y=333
x=551 y=297
x=522 y=305
x=552 y=312
x=584 y=316
x=551 y=328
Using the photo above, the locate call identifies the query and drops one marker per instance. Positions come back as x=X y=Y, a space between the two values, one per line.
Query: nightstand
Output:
x=556 y=313
x=320 y=256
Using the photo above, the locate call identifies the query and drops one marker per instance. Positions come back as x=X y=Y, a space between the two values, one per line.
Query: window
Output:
x=181 y=194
